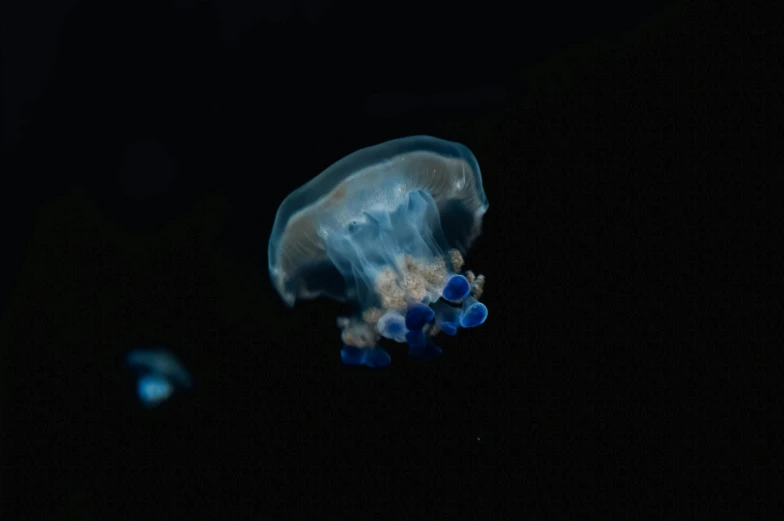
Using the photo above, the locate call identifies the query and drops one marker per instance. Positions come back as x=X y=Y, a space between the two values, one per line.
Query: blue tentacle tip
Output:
x=457 y=288
x=418 y=315
x=474 y=314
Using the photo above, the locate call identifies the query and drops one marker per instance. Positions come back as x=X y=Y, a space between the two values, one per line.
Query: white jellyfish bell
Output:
x=386 y=228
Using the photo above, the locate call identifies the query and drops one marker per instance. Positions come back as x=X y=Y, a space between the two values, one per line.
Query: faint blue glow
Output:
x=154 y=388
x=159 y=375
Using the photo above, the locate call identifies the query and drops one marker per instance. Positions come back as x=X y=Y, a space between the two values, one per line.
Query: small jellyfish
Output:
x=159 y=375
x=386 y=228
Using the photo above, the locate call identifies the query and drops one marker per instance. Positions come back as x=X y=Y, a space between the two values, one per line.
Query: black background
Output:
x=147 y=145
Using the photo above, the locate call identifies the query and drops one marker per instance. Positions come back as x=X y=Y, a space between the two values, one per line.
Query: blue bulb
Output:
x=395 y=328
x=392 y=325
x=457 y=288
x=418 y=315
x=474 y=314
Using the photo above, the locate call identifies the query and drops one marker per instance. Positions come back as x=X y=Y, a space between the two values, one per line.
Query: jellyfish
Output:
x=159 y=375
x=386 y=229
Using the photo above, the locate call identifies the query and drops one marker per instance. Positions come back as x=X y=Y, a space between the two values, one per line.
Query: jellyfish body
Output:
x=385 y=228
x=159 y=375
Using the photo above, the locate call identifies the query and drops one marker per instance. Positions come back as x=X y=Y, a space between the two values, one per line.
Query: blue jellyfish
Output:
x=159 y=373
x=386 y=228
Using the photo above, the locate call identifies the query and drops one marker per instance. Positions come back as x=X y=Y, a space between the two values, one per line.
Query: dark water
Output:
x=146 y=147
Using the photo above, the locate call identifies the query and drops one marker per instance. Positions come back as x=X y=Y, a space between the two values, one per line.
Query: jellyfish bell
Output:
x=427 y=190
x=386 y=228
